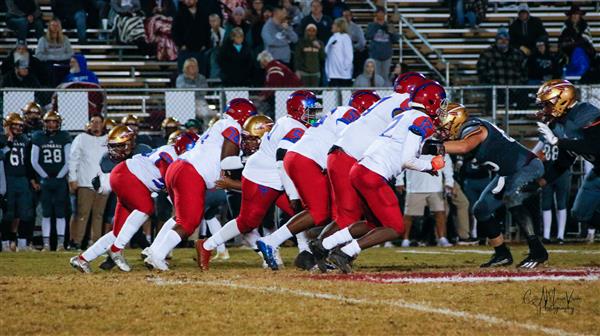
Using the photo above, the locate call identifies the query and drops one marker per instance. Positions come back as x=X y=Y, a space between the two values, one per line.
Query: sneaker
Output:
x=107 y=264
x=498 y=260
x=534 y=259
x=320 y=254
x=341 y=260
x=388 y=245
x=119 y=260
x=80 y=264
x=145 y=253
x=305 y=261
x=60 y=248
x=46 y=248
x=405 y=243
x=443 y=242
x=467 y=242
x=222 y=255
x=268 y=253
x=153 y=263
x=202 y=255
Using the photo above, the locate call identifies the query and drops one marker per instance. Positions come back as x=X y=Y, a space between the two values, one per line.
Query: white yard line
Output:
x=465 y=251
x=466 y=278
x=420 y=307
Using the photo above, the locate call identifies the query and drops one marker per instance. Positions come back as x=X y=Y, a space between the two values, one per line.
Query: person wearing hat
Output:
x=576 y=33
x=525 y=30
x=543 y=64
x=308 y=57
x=21 y=77
x=23 y=15
x=21 y=52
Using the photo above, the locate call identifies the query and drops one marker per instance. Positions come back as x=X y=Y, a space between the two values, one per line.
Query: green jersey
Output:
x=16 y=155
x=52 y=156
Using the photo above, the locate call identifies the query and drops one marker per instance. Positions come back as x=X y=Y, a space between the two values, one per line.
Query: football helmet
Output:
x=52 y=122
x=254 y=128
x=302 y=105
x=132 y=122
x=121 y=141
x=170 y=122
x=554 y=97
x=452 y=116
x=408 y=81
x=109 y=124
x=173 y=137
x=32 y=113
x=184 y=141
x=429 y=96
x=361 y=100
x=14 y=122
x=240 y=109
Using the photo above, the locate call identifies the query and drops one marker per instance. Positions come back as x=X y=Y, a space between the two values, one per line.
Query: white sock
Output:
x=278 y=237
x=592 y=232
x=338 y=238
x=474 y=230
x=149 y=238
x=21 y=243
x=166 y=245
x=61 y=223
x=214 y=226
x=302 y=238
x=250 y=238
x=352 y=249
x=547 y=217
x=46 y=227
x=99 y=247
x=227 y=232
x=167 y=226
x=134 y=221
x=561 y=218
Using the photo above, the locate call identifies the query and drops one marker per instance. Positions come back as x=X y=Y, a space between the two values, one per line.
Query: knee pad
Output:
x=521 y=215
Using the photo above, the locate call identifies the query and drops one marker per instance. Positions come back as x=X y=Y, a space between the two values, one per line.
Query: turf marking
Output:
x=420 y=307
x=466 y=251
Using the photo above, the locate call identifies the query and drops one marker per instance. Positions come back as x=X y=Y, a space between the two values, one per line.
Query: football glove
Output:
x=433 y=147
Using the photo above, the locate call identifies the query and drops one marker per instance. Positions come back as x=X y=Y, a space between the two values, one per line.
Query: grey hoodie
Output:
x=46 y=51
x=277 y=40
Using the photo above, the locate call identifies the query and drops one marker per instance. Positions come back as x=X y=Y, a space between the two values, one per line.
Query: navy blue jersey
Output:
x=107 y=164
x=16 y=155
x=52 y=150
x=499 y=152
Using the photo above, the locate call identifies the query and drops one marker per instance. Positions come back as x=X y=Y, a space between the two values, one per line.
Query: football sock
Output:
x=61 y=223
x=202 y=228
x=21 y=243
x=167 y=226
x=46 y=231
x=227 y=232
x=474 y=230
x=338 y=238
x=502 y=249
x=302 y=239
x=132 y=224
x=99 y=247
x=214 y=226
x=250 y=238
x=166 y=245
x=547 y=217
x=278 y=237
x=352 y=249
x=561 y=218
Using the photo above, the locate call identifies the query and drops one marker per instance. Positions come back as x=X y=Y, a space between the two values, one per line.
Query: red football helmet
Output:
x=429 y=96
x=302 y=105
x=240 y=109
x=185 y=141
x=408 y=81
x=361 y=100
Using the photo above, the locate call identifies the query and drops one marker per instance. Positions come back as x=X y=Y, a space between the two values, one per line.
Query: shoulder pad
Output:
x=470 y=127
x=142 y=149
x=585 y=114
x=294 y=135
x=422 y=126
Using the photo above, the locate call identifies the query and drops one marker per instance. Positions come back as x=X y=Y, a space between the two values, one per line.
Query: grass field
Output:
x=391 y=292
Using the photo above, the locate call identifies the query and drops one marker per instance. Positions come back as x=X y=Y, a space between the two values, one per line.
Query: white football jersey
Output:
x=319 y=138
x=206 y=155
x=144 y=166
x=357 y=137
x=261 y=167
x=398 y=147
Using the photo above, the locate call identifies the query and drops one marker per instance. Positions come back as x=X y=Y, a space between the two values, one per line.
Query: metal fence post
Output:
x=506 y=107
x=400 y=39
x=494 y=103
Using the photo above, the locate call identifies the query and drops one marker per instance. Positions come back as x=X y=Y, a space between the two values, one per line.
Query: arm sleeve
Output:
x=68 y=51
x=269 y=38
x=291 y=35
x=409 y=155
x=35 y=157
x=448 y=172
x=2 y=179
x=65 y=168
x=74 y=158
x=538 y=147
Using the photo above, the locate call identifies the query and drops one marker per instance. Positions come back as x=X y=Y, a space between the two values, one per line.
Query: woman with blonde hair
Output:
x=339 y=51
x=191 y=78
x=54 y=49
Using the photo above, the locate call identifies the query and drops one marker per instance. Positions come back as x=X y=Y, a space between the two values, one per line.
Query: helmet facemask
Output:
x=120 y=151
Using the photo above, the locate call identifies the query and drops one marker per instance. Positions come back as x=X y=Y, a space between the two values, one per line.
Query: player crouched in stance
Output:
x=517 y=168
x=397 y=148
x=189 y=177
x=132 y=181
x=574 y=127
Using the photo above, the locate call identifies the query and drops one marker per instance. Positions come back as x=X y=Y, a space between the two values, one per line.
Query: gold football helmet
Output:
x=452 y=117
x=173 y=137
x=555 y=96
x=32 y=107
x=50 y=118
x=213 y=120
x=132 y=122
x=170 y=122
x=121 y=140
x=14 y=122
x=258 y=125
x=109 y=124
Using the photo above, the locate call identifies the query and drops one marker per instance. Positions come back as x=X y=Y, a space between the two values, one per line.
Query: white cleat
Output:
x=156 y=264
x=443 y=242
x=145 y=253
x=590 y=237
x=388 y=245
x=80 y=264
x=119 y=260
x=46 y=248
x=60 y=248
x=405 y=243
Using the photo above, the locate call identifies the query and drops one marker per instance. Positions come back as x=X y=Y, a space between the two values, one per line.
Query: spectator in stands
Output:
x=23 y=15
x=396 y=71
x=316 y=17
x=334 y=8
x=369 y=78
x=54 y=49
x=501 y=64
x=339 y=57
x=84 y=164
x=217 y=37
x=575 y=41
x=72 y=14
x=543 y=64
x=159 y=29
x=277 y=36
x=525 y=31
x=424 y=190
x=464 y=9
x=308 y=57
x=236 y=61
x=20 y=77
x=592 y=75
x=79 y=72
x=191 y=30
x=97 y=13
x=20 y=52
x=358 y=41
x=277 y=75
x=380 y=40
x=257 y=17
x=128 y=22
x=237 y=19
x=294 y=14
x=191 y=78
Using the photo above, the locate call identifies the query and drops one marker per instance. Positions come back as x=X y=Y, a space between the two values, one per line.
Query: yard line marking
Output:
x=466 y=251
x=393 y=303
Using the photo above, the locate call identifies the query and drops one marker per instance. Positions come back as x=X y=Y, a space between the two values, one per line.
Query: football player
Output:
x=517 y=169
x=50 y=159
x=306 y=164
x=196 y=171
x=397 y=148
x=133 y=122
x=264 y=181
x=573 y=127
x=32 y=115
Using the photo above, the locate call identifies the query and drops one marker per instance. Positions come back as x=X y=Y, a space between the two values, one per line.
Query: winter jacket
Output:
x=199 y=82
x=380 y=41
x=22 y=8
x=339 y=51
x=498 y=68
x=307 y=57
x=12 y=80
x=84 y=75
x=277 y=40
x=37 y=68
x=236 y=66
x=323 y=26
x=543 y=67
x=526 y=33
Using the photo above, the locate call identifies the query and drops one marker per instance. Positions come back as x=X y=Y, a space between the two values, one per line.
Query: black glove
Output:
x=433 y=147
x=96 y=183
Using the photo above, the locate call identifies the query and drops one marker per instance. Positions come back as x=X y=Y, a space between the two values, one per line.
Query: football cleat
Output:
x=499 y=260
x=46 y=248
x=145 y=253
x=341 y=260
x=405 y=243
x=60 y=248
x=319 y=253
x=202 y=255
x=534 y=259
x=119 y=260
x=153 y=263
x=107 y=264
x=268 y=253
x=467 y=242
x=80 y=264
x=305 y=261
